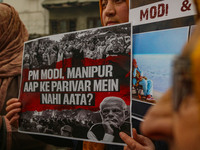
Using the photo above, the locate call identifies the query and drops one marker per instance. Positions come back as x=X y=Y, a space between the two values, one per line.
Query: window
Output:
x=93 y=22
x=60 y=26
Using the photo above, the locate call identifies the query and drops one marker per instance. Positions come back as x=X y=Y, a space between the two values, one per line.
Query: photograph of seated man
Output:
x=140 y=81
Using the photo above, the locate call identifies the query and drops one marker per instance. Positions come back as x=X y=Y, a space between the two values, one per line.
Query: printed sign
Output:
x=160 y=11
x=76 y=85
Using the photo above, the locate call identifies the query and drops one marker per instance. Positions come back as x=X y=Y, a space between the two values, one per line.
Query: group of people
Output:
x=103 y=125
x=40 y=54
x=64 y=123
x=167 y=120
x=45 y=53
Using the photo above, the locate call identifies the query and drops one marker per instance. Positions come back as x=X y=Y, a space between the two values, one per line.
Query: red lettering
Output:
x=161 y=10
x=153 y=12
x=143 y=15
x=167 y=9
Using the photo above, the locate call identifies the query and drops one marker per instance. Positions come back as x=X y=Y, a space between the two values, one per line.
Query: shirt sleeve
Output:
x=108 y=137
x=91 y=136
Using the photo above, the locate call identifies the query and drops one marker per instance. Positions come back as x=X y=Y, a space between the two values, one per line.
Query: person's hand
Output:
x=109 y=127
x=138 y=142
x=13 y=108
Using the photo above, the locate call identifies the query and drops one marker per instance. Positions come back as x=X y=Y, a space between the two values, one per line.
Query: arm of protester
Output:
x=138 y=142
x=13 y=108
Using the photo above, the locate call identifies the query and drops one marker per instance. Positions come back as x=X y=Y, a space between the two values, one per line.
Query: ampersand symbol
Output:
x=186 y=6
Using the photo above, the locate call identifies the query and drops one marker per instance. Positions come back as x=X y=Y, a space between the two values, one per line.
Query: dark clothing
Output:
x=99 y=132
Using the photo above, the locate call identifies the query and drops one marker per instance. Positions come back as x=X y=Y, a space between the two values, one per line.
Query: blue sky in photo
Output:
x=160 y=42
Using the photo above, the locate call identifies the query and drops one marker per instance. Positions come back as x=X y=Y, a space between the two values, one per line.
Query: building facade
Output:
x=72 y=15
x=46 y=17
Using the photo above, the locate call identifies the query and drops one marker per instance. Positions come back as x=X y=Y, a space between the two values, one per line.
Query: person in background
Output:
x=113 y=11
x=176 y=116
x=13 y=34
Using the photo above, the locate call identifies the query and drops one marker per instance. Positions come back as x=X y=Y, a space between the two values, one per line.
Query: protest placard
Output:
x=77 y=85
x=160 y=29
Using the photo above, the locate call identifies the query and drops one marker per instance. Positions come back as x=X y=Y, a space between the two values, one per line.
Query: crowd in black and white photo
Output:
x=98 y=44
x=81 y=123
x=77 y=48
x=70 y=123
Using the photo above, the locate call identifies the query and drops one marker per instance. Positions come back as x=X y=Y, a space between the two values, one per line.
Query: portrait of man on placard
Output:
x=113 y=111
